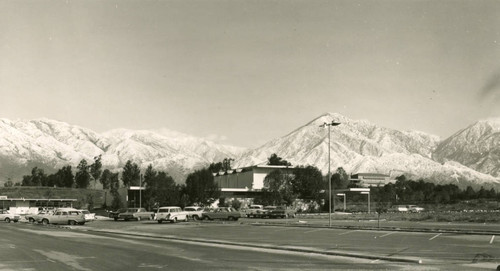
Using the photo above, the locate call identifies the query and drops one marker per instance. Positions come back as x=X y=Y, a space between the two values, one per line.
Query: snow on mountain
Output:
x=52 y=144
x=359 y=146
x=477 y=147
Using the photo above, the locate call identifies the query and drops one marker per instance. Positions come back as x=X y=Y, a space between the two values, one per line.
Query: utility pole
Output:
x=333 y=123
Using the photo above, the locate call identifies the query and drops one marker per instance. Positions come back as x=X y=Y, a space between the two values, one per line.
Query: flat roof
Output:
x=23 y=199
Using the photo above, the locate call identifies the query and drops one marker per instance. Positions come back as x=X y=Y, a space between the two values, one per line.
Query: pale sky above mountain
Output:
x=245 y=72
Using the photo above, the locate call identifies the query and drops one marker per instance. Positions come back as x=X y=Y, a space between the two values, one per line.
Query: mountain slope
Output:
x=52 y=144
x=359 y=146
x=477 y=147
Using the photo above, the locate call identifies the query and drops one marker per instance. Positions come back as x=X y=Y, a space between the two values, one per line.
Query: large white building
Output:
x=244 y=182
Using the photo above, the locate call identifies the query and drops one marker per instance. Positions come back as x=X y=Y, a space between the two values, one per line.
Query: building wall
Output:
x=252 y=179
x=235 y=180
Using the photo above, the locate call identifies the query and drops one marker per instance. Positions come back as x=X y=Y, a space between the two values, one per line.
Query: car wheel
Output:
x=160 y=221
x=174 y=220
x=72 y=222
x=7 y=220
x=45 y=222
x=116 y=218
x=195 y=217
x=31 y=220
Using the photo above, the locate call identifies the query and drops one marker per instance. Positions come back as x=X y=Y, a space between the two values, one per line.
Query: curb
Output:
x=265 y=246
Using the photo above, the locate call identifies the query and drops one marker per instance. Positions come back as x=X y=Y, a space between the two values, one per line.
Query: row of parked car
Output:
x=260 y=211
x=58 y=216
x=174 y=214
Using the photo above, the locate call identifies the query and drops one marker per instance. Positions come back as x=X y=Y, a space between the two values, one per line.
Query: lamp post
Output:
x=333 y=123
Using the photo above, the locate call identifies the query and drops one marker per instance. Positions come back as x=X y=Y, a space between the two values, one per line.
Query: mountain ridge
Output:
x=356 y=145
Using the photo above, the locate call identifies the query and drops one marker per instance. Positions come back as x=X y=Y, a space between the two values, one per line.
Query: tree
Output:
x=9 y=183
x=114 y=185
x=105 y=180
x=201 y=187
x=65 y=177
x=131 y=174
x=308 y=183
x=275 y=160
x=221 y=166
x=278 y=184
x=82 y=176
x=37 y=178
x=96 y=169
x=340 y=179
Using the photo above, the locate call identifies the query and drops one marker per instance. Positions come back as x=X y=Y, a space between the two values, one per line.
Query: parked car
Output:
x=114 y=214
x=32 y=218
x=254 y=210
x=227 y=213
x=6 y=216
x=62 y=216
x=134 y=214
x=414 y=208
x=399 y=208
x=194 y=212
x=89 y=217
x=265 y=212
x=282 y=212
x=170 y=213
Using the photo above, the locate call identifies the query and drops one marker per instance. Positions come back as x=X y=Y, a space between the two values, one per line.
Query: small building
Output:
x=244 y=182
x=24 y=206
x=371 y=179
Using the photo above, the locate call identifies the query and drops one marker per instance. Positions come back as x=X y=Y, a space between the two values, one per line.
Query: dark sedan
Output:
x=226 y=213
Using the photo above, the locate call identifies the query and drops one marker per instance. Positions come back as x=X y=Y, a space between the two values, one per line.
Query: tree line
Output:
x=282 y=186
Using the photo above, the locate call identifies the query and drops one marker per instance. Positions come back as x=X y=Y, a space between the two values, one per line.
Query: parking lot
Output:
x=436 y=247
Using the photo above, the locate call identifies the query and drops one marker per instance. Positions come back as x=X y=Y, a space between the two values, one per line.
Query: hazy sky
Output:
x=245 y=72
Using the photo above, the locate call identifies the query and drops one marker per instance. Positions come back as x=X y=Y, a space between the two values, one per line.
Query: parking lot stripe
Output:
x=435 y=236
x=387 y=234
x=492 y=238
x=313 y=230
x=348 y=232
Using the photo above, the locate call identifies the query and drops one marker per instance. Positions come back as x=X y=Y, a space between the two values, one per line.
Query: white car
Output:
x=6 y=216
x=170 y=213
x=89 y=217
x=194 y=212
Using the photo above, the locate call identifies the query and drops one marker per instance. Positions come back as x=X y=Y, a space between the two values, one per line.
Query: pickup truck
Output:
x=194 y=212
x=62 y=216
x=134 y=214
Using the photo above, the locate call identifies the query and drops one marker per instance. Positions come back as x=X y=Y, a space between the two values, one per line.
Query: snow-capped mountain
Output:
x=477 y=147
x=357 y=146
x=52 y=144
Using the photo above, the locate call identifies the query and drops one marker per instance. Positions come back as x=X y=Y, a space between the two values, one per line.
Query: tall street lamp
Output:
x=333 y=123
